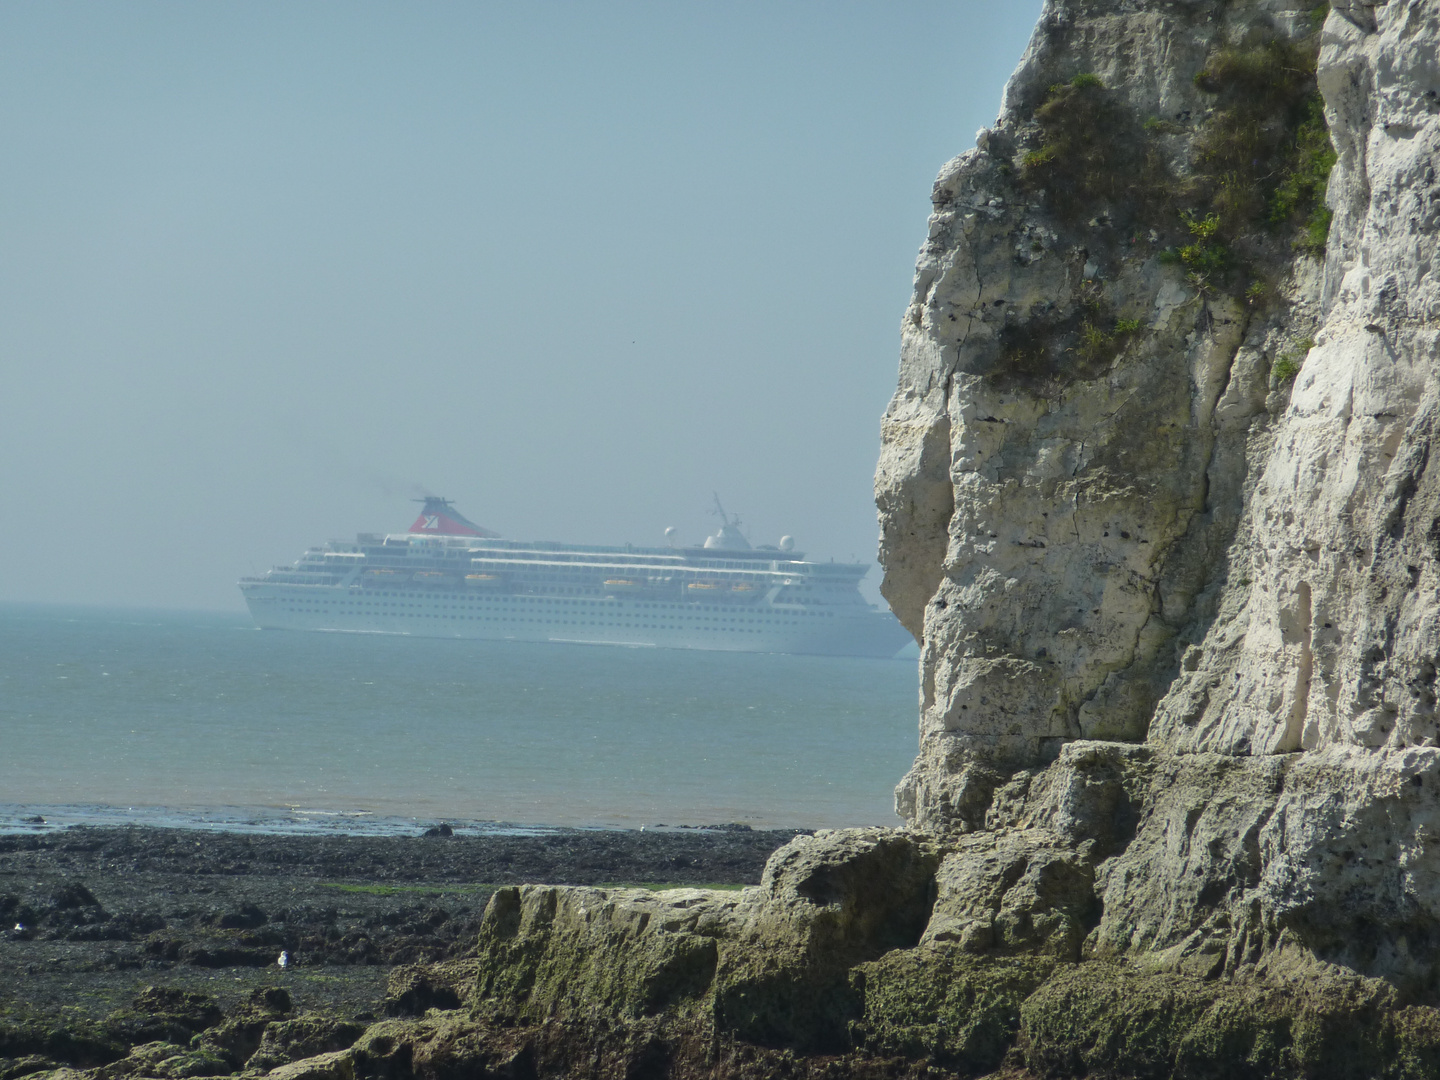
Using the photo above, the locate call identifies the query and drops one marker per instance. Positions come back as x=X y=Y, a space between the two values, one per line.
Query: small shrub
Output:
x=1079 y=346
x=1275 y=74
x=1203 y=228
x=1315 y=237
x=1286 y=367
x=1208 y=256
x=1205 y=258
x=1035 y=159
x=1094 y=343
x=1256 y=291
x=1087 y=81
x=1201 y=283
x=1300 y=195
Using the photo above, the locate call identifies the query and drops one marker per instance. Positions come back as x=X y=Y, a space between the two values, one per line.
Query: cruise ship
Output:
x=448 y=577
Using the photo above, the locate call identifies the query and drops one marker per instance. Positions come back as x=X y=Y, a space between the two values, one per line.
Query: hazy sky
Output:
x=271 y=269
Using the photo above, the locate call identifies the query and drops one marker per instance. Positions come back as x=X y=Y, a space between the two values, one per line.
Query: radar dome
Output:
x=787 y=543
x=670 y=533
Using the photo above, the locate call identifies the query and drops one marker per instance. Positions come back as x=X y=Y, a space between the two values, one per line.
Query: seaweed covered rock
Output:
x=239 y=1035
x=769 y=965
x=285 y=1041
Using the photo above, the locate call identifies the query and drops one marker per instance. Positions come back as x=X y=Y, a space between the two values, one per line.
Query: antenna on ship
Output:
x=724 y=517
x=729 y=537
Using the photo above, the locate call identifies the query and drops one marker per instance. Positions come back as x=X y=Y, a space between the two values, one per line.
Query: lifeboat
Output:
x=623 y=585
x=704 y=586
x=482 y=581
x=744 y=586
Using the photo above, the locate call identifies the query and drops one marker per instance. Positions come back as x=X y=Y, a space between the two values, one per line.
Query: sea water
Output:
x=202 y=719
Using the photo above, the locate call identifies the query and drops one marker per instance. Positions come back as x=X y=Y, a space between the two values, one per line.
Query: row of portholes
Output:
x=526 y=600
x=375 y=609
x=565 y=622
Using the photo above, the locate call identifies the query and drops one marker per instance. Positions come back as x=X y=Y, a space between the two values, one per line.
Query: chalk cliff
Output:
x=1157 y=498
x=1204 y=553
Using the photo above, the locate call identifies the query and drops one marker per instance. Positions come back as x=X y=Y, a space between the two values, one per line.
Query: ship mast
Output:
x=724 y=517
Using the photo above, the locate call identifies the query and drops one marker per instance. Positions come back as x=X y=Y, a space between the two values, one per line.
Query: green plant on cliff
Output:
x=1206 y=257
x=1089 y=153
x=1098 y=346
x=1080 y=346
x=1263 y=156
x=1287 y=365
x=1206 y=254
x=1300 y=195
x=1095 y=343
x=1258 y=165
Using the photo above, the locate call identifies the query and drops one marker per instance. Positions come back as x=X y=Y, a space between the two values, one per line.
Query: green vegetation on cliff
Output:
x=1257 y=167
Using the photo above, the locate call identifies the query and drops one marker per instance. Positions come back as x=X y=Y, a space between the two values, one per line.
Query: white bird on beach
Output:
x=283 y=959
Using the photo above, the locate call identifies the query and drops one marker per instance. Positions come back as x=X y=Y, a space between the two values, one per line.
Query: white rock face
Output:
x=1051 y=537
x=1177 y=583
x=1169 y=551
x=1335 y=639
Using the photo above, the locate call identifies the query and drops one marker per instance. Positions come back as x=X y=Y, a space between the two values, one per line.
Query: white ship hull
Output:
x=579 y=620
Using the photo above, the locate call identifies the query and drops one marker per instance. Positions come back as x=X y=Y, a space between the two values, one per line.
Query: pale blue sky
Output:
x=269 y=267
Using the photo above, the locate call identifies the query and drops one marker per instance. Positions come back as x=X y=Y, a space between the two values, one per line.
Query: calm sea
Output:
x=201 y=719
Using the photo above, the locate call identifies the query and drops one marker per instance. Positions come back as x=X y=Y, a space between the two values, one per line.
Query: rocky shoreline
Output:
x=116 y=937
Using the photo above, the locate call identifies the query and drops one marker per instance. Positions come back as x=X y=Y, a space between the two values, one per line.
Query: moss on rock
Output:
x=577 y=951
x=1109 y=1019
x=958 y=1010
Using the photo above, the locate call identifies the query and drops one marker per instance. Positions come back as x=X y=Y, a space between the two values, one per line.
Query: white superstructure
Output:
x=447 y=577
